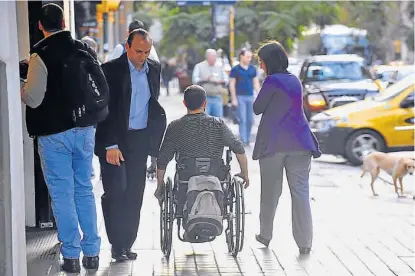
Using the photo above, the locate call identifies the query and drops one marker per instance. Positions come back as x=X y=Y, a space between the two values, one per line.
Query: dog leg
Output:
x=395 y=184
x=401 y=186
x=374 y=175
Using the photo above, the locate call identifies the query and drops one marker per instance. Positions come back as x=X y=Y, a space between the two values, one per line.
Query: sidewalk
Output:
x=354 y=233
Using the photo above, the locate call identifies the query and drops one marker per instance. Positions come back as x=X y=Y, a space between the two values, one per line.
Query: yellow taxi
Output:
x=383 y=123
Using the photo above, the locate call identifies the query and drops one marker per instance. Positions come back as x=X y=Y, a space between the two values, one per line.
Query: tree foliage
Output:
x=257 y=21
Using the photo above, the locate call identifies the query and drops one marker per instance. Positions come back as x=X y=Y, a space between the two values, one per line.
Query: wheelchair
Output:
x=233 y=205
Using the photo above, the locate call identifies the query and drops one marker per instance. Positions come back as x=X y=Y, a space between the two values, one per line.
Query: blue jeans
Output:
x=246 y=117
x=66 y=159
x=214 y=106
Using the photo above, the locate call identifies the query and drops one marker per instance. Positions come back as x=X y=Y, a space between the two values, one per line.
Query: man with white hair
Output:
x=91 y=42
x=212 y=78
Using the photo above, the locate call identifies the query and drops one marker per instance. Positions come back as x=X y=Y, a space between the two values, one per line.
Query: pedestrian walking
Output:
x=133 y=130
x=65 y=98
x=243 y=82
x=212 y=78
x=284 y=141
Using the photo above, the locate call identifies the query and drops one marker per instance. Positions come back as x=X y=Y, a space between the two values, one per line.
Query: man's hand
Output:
x=245 y=178
x=159 y=193
x=234 y=102
x=114 y=157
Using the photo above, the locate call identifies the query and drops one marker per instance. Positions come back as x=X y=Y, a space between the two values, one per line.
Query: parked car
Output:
x=382 y=123
x=387 y=75
x=334 y=80
x=400 y=73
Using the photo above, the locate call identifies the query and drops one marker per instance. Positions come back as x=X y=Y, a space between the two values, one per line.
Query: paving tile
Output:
x=354 y=233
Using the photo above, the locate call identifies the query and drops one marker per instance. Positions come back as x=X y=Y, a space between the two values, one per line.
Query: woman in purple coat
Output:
x=284 y=140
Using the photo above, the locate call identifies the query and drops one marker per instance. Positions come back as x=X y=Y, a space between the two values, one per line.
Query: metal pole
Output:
x=105 y=36
x=213 y=16
x=231 y=34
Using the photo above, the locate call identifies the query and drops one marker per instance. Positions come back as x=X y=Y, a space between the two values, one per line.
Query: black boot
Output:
x=119 y=255
x=90 y=262
x=130 y=254
x=71 y=265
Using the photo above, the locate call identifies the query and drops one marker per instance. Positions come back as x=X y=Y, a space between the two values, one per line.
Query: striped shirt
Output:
x=195 y=136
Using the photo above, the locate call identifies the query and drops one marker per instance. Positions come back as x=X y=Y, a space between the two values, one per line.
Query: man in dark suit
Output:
x=133 y=130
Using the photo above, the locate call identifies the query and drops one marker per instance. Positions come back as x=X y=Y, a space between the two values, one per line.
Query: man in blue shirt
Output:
x=133 y=130
x=243 y=81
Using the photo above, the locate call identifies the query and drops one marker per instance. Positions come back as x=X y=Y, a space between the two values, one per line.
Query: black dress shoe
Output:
x=305 y=250
x=130 y=254
x=90 y=262
x=119 y=255
x=71 y=265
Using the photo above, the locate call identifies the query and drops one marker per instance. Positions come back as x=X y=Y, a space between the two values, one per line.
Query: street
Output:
x=354 y=232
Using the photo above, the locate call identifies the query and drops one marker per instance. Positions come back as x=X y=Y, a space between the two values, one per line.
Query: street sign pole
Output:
x=231 y=34
x=105 y=36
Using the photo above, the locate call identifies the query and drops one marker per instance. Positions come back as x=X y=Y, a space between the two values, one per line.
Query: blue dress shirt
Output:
x=140 y=96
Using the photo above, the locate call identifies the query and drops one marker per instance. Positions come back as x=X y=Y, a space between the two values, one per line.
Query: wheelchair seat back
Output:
x=189 y=167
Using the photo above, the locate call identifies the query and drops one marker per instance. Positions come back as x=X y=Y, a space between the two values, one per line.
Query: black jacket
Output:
x=54 y=114
x=114 y=129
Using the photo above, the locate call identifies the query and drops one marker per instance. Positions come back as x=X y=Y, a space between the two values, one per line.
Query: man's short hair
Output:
x=138 y=32
x=194 y=97
x=136 y=24
x=51 y=17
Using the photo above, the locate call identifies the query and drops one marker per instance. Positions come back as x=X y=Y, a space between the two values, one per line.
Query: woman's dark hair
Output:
x=274 y=56
x=137 y=32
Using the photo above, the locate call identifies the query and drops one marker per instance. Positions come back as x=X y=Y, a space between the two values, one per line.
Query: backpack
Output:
x=85 y=87
x=203 y=209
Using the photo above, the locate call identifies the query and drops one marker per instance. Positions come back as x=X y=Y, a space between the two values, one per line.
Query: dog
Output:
x=395 y=166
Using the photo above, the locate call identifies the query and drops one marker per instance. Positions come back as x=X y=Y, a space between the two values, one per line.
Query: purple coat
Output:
x=283 y=126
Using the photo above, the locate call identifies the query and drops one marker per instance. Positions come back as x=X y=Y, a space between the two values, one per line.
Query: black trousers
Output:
x=123 y=191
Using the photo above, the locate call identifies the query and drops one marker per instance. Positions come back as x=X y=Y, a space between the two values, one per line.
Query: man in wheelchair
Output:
x=198 y=140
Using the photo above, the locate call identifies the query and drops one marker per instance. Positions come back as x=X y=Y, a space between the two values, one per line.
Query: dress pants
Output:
x=297 y=169
x=123 y=191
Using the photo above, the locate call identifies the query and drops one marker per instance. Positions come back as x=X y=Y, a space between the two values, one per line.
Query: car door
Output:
x=405 y=122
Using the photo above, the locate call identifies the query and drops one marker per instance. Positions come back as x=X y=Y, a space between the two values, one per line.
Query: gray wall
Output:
x=12 y=200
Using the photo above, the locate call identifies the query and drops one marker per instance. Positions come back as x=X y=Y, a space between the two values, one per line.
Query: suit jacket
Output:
x=283 y=126
x=113 y=131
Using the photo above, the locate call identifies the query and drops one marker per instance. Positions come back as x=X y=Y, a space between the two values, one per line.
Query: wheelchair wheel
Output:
x=236 y=221
x=166 y=219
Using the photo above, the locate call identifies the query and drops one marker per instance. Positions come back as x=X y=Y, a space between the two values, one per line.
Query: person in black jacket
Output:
x=65 y=150
x=133 y=130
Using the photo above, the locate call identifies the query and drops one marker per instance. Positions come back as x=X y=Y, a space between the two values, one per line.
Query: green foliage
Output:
x=257 y=21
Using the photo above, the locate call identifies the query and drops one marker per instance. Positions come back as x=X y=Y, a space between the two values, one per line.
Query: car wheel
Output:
x=363 y=142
